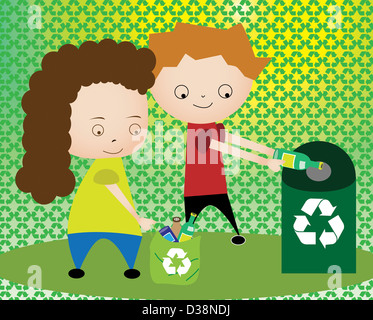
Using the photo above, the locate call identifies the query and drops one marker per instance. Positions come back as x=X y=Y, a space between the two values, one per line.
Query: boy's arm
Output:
x=247 y=144
x=117 y=193
x=237 y=152
x=224 y=147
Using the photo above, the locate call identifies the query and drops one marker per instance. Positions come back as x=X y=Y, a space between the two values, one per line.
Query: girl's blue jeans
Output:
x=81 y=243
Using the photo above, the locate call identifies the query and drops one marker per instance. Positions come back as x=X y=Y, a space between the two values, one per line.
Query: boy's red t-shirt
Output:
x=204 y=168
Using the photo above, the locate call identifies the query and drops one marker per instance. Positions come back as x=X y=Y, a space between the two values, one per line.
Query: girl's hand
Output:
x=145 y=223
x=275 y=164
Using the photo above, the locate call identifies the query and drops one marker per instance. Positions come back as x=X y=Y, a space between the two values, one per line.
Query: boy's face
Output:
x=107 y=121
x=201 y=91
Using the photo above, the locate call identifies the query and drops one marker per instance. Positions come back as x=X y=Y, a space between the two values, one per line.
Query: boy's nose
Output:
x=202 y=95
x=114 y=140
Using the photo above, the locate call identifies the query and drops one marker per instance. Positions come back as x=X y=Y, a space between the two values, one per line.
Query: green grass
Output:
x=226 y=271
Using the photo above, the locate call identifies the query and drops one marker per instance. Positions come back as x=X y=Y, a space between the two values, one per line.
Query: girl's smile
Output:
x=113 y=152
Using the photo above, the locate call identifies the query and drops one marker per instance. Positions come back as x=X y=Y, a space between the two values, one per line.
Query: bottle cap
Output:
x=193 y=214
x=176 y=219
x=321 y=164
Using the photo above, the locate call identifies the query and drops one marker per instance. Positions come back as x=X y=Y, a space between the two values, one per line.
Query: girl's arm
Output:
x=117 y=193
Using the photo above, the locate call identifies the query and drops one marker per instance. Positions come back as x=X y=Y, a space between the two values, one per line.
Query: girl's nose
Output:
x=114 y=140
x=203 y=95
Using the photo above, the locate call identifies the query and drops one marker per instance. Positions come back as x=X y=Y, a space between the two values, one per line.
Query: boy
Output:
x=204 y=75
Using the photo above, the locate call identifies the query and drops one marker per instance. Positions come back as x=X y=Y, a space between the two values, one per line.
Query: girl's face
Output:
x=108 y=121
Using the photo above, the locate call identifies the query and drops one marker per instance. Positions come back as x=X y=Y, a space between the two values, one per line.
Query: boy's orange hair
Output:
x=202 y=42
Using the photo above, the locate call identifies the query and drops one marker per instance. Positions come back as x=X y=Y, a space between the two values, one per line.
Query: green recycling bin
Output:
x=319 y=213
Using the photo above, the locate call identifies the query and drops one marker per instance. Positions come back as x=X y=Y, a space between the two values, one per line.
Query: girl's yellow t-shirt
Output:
x=95 y=209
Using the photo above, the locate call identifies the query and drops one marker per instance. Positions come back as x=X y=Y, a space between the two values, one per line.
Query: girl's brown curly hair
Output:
x=45 y=172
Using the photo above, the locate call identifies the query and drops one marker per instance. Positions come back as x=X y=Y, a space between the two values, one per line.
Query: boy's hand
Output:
x=145 y=223
x=275 y=164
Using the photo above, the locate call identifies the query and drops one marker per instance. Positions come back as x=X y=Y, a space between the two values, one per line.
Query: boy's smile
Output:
x=203 y=107
x=201 y=91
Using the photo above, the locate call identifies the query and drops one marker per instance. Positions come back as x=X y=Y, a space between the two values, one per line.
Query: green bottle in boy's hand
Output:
x=296 y=160
x=187 y=229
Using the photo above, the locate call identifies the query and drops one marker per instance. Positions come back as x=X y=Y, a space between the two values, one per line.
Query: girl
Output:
x=89 y=102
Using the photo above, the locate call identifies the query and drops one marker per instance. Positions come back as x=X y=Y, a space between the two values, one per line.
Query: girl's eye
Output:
x=98 y=130
x=181 y=91
x=225 y=91
x=135 y=129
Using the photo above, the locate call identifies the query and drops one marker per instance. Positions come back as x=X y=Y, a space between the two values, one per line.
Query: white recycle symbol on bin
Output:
x=326 y=238
x=182 y=269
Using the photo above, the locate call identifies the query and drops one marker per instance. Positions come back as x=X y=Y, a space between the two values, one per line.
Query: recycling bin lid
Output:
x=341 y=175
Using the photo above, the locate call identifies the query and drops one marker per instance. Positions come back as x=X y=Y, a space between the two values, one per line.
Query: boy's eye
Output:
x=225 y=91
x=181 y=91
x=98 y=130
x=135 y=129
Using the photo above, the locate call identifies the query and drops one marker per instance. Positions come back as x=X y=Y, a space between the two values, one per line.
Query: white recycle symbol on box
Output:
x=326 y=238
x=181 y=255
